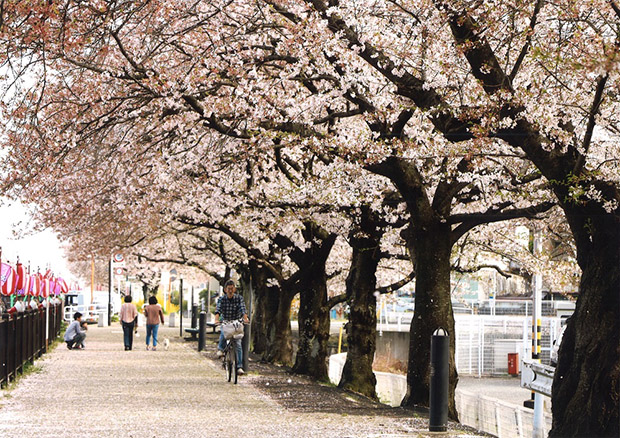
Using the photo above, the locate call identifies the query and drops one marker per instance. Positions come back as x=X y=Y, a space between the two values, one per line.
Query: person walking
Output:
x=153 y=315
x=129 y=319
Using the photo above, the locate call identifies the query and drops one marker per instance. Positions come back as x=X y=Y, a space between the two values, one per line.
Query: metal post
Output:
x=440 y=367
x=201 y=330
x=180 y=307
x=208 y=297
x=194 y=315
x=92 y=277
x=537 y=431
x=245 y=345
x=247 y=329
x=110 y=292
x=47 y=322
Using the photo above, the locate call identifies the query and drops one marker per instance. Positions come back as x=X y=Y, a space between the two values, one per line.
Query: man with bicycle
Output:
x=231 y=307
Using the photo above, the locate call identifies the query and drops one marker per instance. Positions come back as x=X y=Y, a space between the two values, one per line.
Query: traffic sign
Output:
x=119 y=271
x=118 y=261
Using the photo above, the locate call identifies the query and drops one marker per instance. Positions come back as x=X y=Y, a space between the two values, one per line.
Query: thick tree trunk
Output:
x=258 y=321
x=585 y=396
x=279 y=348
x=271 y=325
x=433 y=309
x=311 y=358
x=357 y=374
x=262 y=308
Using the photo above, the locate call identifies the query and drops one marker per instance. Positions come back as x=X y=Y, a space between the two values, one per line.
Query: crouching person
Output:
x=76 y=333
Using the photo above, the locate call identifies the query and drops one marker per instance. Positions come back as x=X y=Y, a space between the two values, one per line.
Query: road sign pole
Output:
x=110 y=293
x=181 y=307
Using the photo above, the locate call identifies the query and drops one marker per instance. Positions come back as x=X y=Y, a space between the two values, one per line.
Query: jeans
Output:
x=128 y=334
x=78 y=340
x=222 y=344
x=151 y=328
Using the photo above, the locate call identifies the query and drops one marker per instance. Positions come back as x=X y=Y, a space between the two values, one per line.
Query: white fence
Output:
x=499 y=418
x=502 y=419
x=483 y=342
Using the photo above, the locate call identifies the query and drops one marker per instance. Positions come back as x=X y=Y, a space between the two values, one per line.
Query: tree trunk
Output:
x=311 y=358
x=587 y=378
x=279 y=334
x=433 y=309
x=259 y=329
x=271 y=325
x=261 y=308
x=357 y=374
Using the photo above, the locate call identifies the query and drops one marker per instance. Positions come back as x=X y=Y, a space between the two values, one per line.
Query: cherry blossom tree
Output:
x=443 y=98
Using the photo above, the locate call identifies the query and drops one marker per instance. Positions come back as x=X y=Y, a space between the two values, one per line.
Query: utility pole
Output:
x=536 y=336
x=92 y=277
x=180 y=307
x=110 y=291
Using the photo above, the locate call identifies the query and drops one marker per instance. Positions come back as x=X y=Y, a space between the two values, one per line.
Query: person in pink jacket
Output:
x=129 y=319
x=153 y=315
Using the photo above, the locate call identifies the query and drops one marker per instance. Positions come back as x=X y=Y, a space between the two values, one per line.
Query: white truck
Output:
x=79 y=301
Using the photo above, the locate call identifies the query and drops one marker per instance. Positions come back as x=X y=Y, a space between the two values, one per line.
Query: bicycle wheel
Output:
x=229 y=359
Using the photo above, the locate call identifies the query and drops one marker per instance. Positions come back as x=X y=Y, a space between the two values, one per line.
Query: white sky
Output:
x=17 y=238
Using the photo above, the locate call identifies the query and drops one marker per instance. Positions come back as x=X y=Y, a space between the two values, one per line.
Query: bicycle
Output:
x=232 y=330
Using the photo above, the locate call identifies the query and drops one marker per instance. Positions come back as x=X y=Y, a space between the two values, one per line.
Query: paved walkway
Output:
x=104 y=391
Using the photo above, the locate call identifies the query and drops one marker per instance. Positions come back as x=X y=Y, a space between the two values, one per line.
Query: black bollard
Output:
x=194 y=315
x=201 y=331
x=440 y=367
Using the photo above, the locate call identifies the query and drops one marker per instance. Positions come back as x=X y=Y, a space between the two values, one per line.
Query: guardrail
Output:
x=22 y=338
x=537 y=377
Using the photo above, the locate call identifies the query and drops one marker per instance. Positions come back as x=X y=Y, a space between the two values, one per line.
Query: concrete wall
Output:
x=393 y=345
x=391 y=388
x=504 y=420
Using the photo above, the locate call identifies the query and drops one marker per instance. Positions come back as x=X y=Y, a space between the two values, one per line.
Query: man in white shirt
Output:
x=74 y=336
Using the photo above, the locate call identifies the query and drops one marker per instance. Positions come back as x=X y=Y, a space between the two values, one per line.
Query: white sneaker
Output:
x=240 y=371
x=220 y=353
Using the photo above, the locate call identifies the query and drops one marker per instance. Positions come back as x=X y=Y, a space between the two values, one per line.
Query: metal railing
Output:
x=483 y=342
x=90 y=312
x=23 y=338
x=502 y=419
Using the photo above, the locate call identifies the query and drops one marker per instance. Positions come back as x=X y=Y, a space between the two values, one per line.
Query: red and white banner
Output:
x=35 y=285
x=8 y=279
x=18 y=281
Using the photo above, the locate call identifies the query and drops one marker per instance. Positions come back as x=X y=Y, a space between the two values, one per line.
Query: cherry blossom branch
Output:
x=615 y=7
x=479 y=267
x=587 y=139
x=337 y=299
x=178 y=261
x=469 y=221
x=238 y=239
x=397 y=285
x=528 y=41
